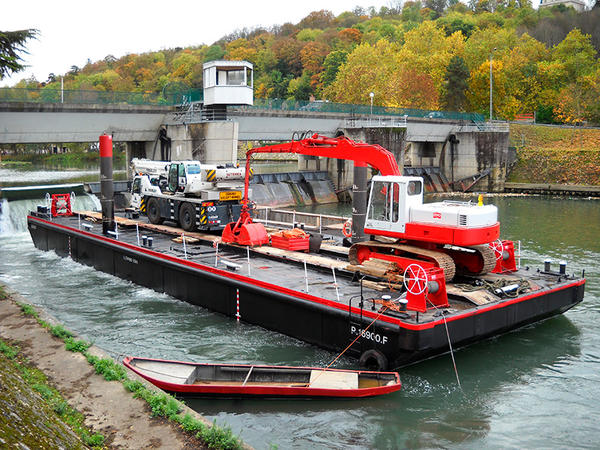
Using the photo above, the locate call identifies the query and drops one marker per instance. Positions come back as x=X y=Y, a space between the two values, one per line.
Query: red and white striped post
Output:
x=237 y=314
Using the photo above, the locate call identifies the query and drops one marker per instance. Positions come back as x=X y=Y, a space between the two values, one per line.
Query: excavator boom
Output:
x=340 y=148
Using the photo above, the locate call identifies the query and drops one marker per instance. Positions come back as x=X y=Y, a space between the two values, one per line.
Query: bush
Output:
x=107 y=368
x=80 y=346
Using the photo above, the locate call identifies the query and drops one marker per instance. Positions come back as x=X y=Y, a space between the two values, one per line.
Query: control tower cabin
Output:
x=228 y=83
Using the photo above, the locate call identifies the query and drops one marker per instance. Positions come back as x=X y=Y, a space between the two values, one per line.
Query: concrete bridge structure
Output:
x=459 y=148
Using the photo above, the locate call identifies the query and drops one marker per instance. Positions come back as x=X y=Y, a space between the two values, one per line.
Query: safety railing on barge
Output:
x=288 y=218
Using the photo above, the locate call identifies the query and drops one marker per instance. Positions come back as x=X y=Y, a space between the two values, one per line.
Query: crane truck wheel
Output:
x=153 y=212
x=187 y=217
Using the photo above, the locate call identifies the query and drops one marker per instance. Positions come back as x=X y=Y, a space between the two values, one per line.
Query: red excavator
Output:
x=455 y=236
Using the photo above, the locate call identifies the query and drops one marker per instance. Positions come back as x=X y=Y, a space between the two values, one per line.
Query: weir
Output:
x=13 y=214
x=292 y=189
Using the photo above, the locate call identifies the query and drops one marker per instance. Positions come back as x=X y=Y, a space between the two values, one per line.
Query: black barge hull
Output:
x=309 y=318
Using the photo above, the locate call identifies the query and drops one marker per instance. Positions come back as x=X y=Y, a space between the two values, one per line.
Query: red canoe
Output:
x=239 y=380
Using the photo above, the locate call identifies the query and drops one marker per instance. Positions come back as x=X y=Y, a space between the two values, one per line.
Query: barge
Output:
x=272 y=289
x=429 y=277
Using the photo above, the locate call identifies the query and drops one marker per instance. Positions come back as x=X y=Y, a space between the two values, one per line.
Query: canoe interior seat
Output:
x=333 y=380
x=171 y=373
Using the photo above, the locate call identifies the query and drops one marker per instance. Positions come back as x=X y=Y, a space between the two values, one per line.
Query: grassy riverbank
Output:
x=555 y=155
x=95 y=383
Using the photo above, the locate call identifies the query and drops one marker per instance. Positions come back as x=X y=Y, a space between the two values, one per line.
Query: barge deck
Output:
x=318 y=298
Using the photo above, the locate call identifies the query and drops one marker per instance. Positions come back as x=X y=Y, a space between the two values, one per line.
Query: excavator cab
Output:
x=390 y=202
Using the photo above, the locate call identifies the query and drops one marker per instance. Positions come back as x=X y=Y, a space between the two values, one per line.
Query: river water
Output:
x=536 y=387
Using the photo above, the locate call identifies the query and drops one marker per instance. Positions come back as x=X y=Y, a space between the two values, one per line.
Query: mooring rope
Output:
x=384 y=309
x=449 y=341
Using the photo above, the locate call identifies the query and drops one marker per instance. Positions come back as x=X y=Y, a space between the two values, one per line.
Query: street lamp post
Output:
x=491 y=82
x=372 y=94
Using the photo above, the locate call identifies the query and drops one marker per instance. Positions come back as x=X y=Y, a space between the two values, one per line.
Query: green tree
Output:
x=12 y=45
x=456 y=83
x=299 y=88
x=331 y=66
x=213 y=53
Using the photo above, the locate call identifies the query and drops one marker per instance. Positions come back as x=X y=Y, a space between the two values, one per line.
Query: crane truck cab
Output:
x=396 y=209
x=191 y=194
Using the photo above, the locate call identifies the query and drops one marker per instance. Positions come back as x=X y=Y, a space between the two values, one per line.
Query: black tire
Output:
x=153 y=212
x=187 y=217
x=373 y=360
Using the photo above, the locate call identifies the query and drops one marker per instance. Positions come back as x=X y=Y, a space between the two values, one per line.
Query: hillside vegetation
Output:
x=431 y=55
x=556 y=155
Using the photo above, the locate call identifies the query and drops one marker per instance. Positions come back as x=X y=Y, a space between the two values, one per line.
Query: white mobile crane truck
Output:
x=193 y=195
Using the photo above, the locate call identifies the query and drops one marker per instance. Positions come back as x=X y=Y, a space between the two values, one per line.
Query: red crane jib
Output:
x=245 y=232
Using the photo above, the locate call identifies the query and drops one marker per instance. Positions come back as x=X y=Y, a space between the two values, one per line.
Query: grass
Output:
x=556 y=155
x=3 y=294
x=38 y=382
x=161 y=404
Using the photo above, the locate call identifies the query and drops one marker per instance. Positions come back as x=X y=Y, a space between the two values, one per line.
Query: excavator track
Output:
x=483 y=262
x=439 y=258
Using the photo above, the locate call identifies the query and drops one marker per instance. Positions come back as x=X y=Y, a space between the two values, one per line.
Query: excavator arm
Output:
x=339 y=148
x=246 y=233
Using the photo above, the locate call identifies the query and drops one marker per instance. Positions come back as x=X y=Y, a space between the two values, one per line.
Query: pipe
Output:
x=106 y=184
x=359 y=202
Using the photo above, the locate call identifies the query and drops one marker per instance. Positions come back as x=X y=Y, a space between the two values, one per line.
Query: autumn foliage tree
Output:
x=425 y=54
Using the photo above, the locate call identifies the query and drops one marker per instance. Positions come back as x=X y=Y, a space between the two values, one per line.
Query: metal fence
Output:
x=346 y=108
x=44 y=95
x=26 y=95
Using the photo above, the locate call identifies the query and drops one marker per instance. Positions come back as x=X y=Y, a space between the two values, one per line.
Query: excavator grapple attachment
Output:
x=245 y=233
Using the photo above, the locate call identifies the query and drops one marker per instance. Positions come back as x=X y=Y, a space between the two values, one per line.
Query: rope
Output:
x=449 y=341
x=350 y=345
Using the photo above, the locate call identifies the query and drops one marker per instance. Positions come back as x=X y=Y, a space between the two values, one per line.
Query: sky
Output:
x=71 y=31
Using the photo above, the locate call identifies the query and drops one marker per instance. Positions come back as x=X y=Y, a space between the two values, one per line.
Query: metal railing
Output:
x=46 y=95
x=364 y=110
x=376 y=122
x=27 y=95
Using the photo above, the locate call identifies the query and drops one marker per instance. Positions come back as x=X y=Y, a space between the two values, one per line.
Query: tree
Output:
x=213 y=53
x=12 y=45
x=312 y=56
x=456 y=83
x=331 y=65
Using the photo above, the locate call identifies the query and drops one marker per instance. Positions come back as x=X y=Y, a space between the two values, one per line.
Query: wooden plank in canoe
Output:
x=333 y=380
x=171 y=373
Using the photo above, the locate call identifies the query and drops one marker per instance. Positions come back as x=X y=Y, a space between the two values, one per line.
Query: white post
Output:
x=248 y=257
x=137 y=233
x=184 y=246
x=217 y=255
x=305 y=277
x=116 y=231
x=62 y=90
x=491 y=82
x=293 y=218
x=337 y=292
